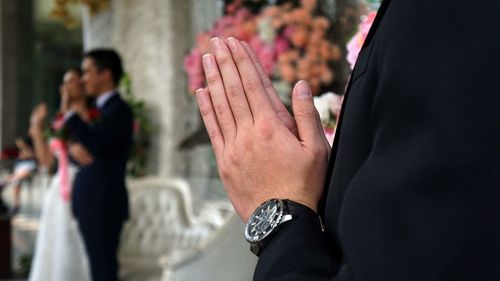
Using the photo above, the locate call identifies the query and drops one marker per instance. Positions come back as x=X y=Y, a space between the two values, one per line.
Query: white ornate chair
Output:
x=162 y=228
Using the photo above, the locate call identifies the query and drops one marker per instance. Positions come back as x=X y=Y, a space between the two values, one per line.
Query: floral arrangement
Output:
x=373 y=4
x=61 y=10
x=356 y=43
x=56 y=128
x=136 y=166
x=290 y=41
x=328 y=106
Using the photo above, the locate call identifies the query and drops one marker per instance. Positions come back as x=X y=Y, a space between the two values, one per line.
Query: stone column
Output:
x=152 y=37
x=16 y=41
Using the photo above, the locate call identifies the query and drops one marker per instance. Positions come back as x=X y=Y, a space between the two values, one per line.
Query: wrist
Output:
x=36 y=126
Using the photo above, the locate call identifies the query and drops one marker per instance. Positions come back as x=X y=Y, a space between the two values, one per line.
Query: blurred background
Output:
x=161 y=43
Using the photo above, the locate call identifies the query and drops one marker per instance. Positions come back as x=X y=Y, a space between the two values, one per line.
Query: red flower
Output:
x=94 y=114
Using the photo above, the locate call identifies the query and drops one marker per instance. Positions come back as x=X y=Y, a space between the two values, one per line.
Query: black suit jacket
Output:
x=99 y=192
x=413 y=192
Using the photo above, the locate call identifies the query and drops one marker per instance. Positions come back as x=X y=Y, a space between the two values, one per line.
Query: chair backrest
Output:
x=161 y=219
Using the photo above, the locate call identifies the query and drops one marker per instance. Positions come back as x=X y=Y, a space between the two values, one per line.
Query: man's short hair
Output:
x=107 y=59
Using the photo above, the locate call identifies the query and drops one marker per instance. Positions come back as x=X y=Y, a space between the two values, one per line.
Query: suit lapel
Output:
x=321 y=208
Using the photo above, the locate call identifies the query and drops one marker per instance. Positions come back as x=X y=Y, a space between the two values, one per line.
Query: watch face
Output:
x=264 y=220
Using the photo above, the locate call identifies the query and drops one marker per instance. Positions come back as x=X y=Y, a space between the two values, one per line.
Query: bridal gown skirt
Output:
x=59 y=251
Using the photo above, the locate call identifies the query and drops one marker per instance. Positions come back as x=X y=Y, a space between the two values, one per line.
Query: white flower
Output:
x=328 y=106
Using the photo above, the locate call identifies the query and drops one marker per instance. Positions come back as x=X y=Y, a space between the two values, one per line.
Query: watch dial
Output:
x=264 y=220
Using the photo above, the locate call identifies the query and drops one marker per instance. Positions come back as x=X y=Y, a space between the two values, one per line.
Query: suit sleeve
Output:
x=299 y=251
x=113 y=129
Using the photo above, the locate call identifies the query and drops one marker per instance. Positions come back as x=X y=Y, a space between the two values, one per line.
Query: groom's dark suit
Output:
x=100 y=201
x=413 y=192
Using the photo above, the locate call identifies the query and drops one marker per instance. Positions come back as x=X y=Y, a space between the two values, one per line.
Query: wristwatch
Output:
x=265 y=221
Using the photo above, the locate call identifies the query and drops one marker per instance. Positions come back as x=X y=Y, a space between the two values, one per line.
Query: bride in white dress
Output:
x=59 y=251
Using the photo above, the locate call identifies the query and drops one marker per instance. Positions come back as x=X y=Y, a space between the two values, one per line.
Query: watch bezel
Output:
x=254 y=235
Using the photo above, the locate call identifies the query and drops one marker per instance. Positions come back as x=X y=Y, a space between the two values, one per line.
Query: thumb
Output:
x=305 y=113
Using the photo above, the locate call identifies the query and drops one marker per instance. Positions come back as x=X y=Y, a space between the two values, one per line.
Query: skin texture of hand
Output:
x=39 y=114
x=65 y=101
x=262 y=151
x=80 y=154
x=36 y=132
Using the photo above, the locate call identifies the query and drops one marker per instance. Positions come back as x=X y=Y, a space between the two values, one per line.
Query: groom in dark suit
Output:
x=101 y=146
x=412 y=192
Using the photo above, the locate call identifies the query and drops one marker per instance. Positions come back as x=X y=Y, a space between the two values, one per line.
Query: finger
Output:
x=84 y=162
x=268 y=85
x=86 y=154
x=89 y=158
x=219 y=101
x=260 y=104
x=79 y=160
x=232 y=83
x=305 y=113
x=86 y=159
x=210 y=121
x=276 y=102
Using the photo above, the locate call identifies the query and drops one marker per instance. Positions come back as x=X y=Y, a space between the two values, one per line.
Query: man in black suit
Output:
x=99 y=198
x=412 y=191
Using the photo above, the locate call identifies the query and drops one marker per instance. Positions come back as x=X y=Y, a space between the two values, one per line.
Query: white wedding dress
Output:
x=59 y=251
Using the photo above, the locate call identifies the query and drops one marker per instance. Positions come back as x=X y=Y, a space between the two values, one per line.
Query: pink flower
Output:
x=267 y=57
x=58 y=123
x=203 y=42
x=194 y=70
x=224 y=22
x=288 y=32
x=233 y=7
x=242 y=15
x=356 y=43
x=330 y=134
x=281 y=45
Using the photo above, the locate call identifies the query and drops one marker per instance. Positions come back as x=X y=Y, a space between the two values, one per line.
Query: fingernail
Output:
x=303 y=89
x=233 y=45
x=200 y=98
x=208 y=61
x=216 y=43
